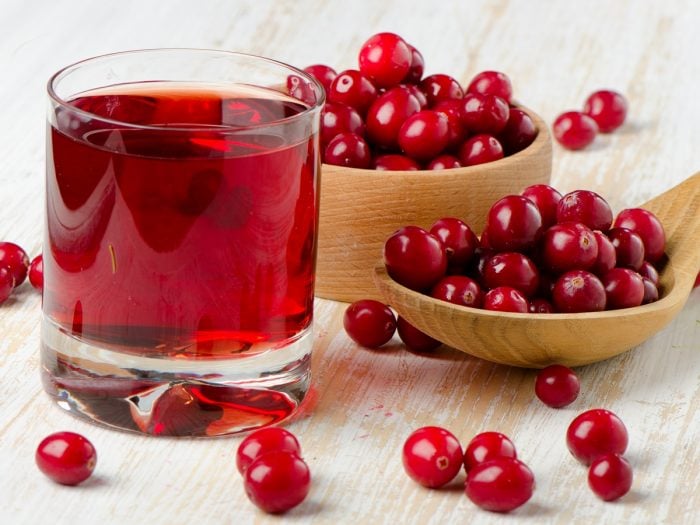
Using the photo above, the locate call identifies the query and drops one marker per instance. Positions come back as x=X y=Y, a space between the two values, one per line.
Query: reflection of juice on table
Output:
x=178 y=236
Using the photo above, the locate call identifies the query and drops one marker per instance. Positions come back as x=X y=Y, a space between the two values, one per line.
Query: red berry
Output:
x=492 y=83
x=432 y=456
x=349 y=150
x=385 y=58
x=607 y=257
x=569 y=246
x=513 y=224
x=480 y=149
x=353 y=89
x=595 y=433
x=651 y=291
x=459 y=241
x=578 y=291
x=444 y=162
x=301 y=89
x=487 y=446
x=324 y=74
x=540 y=306
x=415 y=72
x=36 y=272
x=413 y=338
x=458 y=289
x=386 y=115
x=610 y=477
x=7 y=284
x=424 y=135
x=14 y=259
x=500 y=485
x=440 y=87
x=369 y=323
x=648 y=227
x=394 y=162
x=586 y=207
x=418 y=93
x=624 y=288
x=415 y=258
x=66 y=457
x=277 y=481
x=647 y=271
x=607 y=108
x=629 y=248
x=557 y=386
x=337 y=119
x=263 y=441
x=512 y=269
x=574 y=130
x=484 y=113
x=506 y=299
x=546 y=199
x=519 y=133
x=456 y=130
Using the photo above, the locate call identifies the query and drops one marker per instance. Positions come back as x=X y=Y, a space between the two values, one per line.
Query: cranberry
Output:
x=540 y=306
x=66 y=457
x=415 y=339
x=301 y=89
x=443 y=162
x=648 y=271
x=458 y=238
x=546 y=199
x=513 y=224
x=440 y=87
x=394 y=162
x=14 y=259
x=586 y=207
x=415 y=258
x=492 y=83
x=337 y=119
x=458 y=289
x=607 y=256
x=574 y=130
x=487 y=446
x=369 y=323
x=324 y=74
x=569 y=246
x=505 y=299
x=623 y=288
x=500 y=485
x=385 y=58
x=697 y=281
x=386 y=115
x=648 y=227
x=354 y=89
x=263 y=441
x=453 y=111
x=519 y=133
x=349 y=150
x=277 y=481
x=629 y=248
x=418 y=93
x=415 y=72
x=36 y=272
x=651 y=291
x=512 y=269
x=595 y=433
x=610 y=477
x=481 y=257
x=480 y=149
x=557 y=386
x=484 y=113
x=607 y=108
x=7 y=284
x=432 y=456
x=578 y=291
x=424 y=135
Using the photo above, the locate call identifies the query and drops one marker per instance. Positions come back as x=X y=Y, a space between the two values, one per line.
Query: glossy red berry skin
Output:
x=500 y=485
x=648 y=227
x=414 y=339
x=557 y=386
x=385 y=58
x=415 y=72
x=263 y=441
x=415 y=258
x=492 y=83
x=459 y=289
x=432 y=456
x=440 y=87
x=647 y=271
x=595 y=433
x=324 y=74
x=369 y=323
x=512 y=269
x=651 y=291
x=607 y=256
x=444 y=162
x=424 y=135
x=586 y=207
x=546 y=199
x=417 y=92
x=519 y=133
x=506 y=299
x=540 y=306
x=66 y=457
x=353 y=89
x=484 y=113
x=607 y=108
x=480 y=149
x=348 y=150
x=456 y=130
x=7 y=284
x=337 y=119
x=277 y=481
x=574 y=130
x=386 y=115
x=513 y=224
x=395 y=162
x=610 y=477
x=487 y=446
x=569 y=246
x=36 y=272
x=458 y=238
x=15 y=259
x=624 y=288
x=578 y=291
x=629 y=248
x=301 y=89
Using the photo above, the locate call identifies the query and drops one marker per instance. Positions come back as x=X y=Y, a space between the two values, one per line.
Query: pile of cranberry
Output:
x=15 y=267
x=603 y=112
x=386 y=116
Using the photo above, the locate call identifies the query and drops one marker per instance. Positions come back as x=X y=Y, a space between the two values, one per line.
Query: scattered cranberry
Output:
x=586 y=207
x=432 y=456
x=484 y=113
x=263 y=441
x=557 y=386
x=386 y=115
x=385 y=58
x=629 y=248
x=513 y=224
x=440 y=87
x=519 y=133
x=607 y=257
x=595 y=433
x=648 y=227
x=424 y=135
x=324 y=74
x=610 y=477
x=506 y=299
x=546 y=199
x=66 y=457
x=36 y=272
x=7 y=284
x=574 y=130
x=415 y=72
x=337 y=119
x=354 y=89
x=395 y=162
x=458 y=289
x=578 y=291
x=540 y=306
x=349 y=150
x=624 y=288
x=651 y=291
x=487 y=446
x=607 y=108
x=480 y=149
x=415 y=258
x=500 y=485
x=369 y=323
x=458 y=238
x=512 y=269
x=492 y=83
x=14 y=259
x=444 y=162
x=277 y=481
x=569 y=246
x=414 y=339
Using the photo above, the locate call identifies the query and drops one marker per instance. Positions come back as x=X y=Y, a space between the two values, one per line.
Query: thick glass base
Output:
x=175 y=397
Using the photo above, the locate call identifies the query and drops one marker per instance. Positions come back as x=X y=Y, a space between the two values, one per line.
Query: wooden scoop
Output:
x=538 y=340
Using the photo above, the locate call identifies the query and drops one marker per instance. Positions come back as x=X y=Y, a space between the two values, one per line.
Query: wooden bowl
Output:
x=361 y=208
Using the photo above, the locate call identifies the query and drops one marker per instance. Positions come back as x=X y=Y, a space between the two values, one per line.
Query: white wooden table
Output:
x=366 y=403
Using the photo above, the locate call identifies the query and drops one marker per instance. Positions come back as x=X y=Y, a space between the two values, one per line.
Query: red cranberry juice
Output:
x=187 y=232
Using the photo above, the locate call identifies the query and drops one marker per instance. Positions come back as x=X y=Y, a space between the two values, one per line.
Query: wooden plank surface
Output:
x=365 y=403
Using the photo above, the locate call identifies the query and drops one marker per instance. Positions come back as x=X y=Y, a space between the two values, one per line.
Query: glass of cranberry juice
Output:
x=180 y=240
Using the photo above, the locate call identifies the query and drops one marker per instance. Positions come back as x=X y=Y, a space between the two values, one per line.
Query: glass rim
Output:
x=66 y=70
